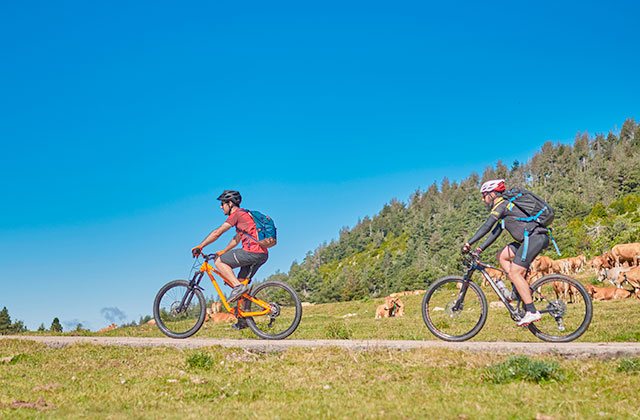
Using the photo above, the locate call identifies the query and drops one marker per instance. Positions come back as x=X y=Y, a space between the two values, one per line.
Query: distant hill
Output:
x=593 y=184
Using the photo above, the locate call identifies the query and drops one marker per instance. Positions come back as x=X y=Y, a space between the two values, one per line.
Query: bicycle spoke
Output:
x=565 y=307
x=179 y=310
x=449 y=314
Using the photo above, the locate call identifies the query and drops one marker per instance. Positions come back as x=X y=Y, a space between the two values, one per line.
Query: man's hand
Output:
x=466 y=248
x=195 y=251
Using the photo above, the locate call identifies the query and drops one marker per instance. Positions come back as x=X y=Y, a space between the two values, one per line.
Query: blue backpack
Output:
x=267 y=232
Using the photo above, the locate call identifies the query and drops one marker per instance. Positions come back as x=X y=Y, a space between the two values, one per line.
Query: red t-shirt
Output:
x=243 y=222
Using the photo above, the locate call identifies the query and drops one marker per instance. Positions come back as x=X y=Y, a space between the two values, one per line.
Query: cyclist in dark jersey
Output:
x=249 y=258
x=512 y=258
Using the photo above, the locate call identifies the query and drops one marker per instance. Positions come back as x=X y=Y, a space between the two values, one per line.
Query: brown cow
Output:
x=626 y=252
x=564 y=290
x=495 y=274
x=633 y=277
x=608 y=293
x=542 y=266
x=391 y=307
x=575 y=264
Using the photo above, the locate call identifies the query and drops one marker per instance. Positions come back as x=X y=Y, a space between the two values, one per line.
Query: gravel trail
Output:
x=571 y=350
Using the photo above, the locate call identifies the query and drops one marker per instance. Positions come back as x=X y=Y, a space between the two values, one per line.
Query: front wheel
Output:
x=179 y=310
x=454 y=309
x=285 y=313
x=566 y=308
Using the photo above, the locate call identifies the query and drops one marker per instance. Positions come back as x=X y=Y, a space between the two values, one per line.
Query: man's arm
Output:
x=492 y=237
x=232 y=244
x=484 y=229
x=213 y=236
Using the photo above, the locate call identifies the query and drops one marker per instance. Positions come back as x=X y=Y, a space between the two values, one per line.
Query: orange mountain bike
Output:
x=271 y=309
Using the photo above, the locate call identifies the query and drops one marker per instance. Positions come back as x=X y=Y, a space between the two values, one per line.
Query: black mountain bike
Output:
x=455 y=308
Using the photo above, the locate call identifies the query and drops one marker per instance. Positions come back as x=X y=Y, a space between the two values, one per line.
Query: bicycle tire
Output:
x=291 y=315
x=436 y=325
x=580 y=321
x=164 y=326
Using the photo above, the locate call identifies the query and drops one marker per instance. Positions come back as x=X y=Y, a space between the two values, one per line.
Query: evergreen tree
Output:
x=594 y=185
x=41 y=328
x=5 y=322
x=55 y=325
x=18 y=327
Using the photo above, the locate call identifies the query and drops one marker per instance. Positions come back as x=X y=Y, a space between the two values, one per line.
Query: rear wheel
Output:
x=179 y=310
x=284 y=316
x=566 y=308
x=454 y=314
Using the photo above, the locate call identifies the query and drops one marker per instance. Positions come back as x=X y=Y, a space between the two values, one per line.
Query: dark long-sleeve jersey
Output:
x=499 y=221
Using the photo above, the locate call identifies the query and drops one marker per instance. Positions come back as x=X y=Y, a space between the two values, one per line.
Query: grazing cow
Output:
x=608 y=293
x=614 y=275
x=601 y=262
x=108 y=328
x=626 y=252
x=564 y=290
x=495 y=274
x=542 y=266
x=632 y=276
x=577 y=263
x=392 y=307
x=222 y=317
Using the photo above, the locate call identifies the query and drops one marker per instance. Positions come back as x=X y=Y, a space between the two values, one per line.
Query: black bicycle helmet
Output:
x=232 y=196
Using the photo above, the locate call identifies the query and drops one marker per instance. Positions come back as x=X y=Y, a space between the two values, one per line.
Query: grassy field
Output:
x=120 y=382
x=612 y=321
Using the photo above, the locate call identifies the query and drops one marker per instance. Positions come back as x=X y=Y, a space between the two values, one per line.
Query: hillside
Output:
x=593 y=184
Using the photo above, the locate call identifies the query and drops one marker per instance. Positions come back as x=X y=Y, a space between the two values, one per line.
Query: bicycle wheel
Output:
x=179 y=311
x=451 y=316
x=565 y=306
x=285 y=315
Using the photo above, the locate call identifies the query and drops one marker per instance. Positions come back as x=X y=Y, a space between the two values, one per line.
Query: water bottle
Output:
x=504 y=290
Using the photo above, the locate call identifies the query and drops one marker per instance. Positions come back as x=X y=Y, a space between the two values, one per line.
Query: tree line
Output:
x=593 y=184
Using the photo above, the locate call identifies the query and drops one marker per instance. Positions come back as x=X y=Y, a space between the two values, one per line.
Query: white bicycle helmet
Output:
x=496 y=185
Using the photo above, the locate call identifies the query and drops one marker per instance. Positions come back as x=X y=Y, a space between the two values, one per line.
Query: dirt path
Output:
x=578 y=349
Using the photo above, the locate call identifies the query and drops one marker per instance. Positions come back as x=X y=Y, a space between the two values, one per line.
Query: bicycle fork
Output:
x=193 y=285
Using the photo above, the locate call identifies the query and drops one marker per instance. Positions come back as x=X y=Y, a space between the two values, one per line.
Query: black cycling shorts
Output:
x=537 y=242
x=249 y=261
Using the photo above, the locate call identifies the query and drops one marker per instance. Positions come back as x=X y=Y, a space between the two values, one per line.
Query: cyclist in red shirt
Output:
x=249 y=258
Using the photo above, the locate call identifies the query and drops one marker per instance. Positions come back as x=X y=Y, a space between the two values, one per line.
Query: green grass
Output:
x=612 y=321
x=523 y=368
x=121 y=382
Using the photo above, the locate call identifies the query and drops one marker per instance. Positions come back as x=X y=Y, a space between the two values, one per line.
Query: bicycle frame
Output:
x=208 y=268
x=476 y=265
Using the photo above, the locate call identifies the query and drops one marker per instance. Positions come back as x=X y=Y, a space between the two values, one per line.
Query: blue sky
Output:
x=120 y=122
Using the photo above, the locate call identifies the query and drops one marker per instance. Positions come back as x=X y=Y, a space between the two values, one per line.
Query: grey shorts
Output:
x=248 y=261
x=537 y=242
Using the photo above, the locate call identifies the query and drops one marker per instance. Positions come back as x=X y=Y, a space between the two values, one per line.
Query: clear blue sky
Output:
x=120 y=122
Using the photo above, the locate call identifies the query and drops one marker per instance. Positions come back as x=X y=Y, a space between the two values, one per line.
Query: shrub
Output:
x=338 y=330
x=629 y=365
x=200 y=361
x=522 y=368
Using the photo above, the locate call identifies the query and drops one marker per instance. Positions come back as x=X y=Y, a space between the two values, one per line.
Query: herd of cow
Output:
x=620 y=267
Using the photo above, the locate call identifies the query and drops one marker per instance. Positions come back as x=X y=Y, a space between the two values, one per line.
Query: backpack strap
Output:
x=526 y=245
x=244 y=232
x=553 y=241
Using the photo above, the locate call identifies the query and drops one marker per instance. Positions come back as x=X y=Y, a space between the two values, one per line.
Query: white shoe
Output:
x=528 y=318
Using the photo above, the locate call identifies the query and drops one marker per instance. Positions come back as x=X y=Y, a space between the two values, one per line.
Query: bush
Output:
x=522 y=368
x=200 y=361
x=629 y=365
x=338 y=330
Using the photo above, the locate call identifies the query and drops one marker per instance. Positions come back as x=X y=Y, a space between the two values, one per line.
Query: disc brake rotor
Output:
x=453 y=313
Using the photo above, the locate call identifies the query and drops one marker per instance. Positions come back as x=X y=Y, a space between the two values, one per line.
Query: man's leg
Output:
x=227 y=272
x=516 y=273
